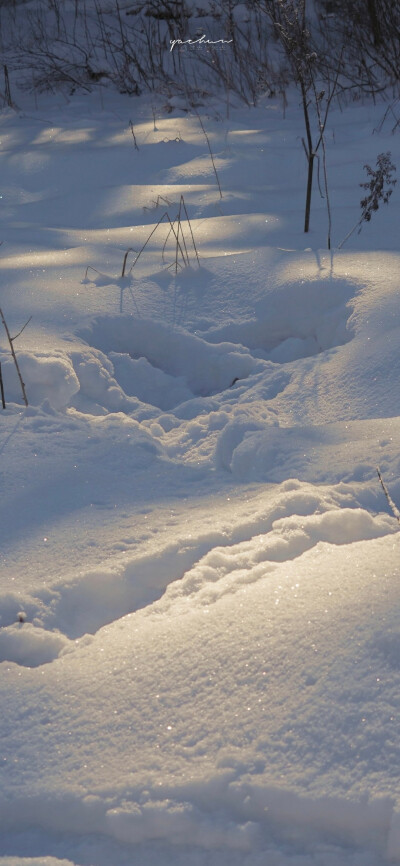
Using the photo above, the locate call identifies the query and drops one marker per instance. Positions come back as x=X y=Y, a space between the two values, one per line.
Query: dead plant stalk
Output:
x=11 y=344
x=211 y=153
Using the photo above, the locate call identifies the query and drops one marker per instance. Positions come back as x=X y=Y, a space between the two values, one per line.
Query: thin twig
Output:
x=10 y=340
x=171 y=229
x=164 y=216
x=328 y=204
x=156 y=202
x=322 y=125
x=339 y=246
x=7 y=91
x=89 y=268
x=130 y=250
x=178 y=220
x=183 y=238
x=329 y=100
x=3 y=401
x=22 y=329
x=191 y=232
x=393 y=507
x=318 y=175
x=211 y=154
x=133 y=135
x=305 y=148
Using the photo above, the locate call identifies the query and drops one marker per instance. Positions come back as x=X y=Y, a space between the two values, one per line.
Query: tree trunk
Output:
x=374 y=20
x=309 y=191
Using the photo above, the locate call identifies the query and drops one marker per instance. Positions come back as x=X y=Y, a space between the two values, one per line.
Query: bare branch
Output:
x=211 y=154
x=10 y=340
x=3 y=400
x=22 y=329
x=395 y=511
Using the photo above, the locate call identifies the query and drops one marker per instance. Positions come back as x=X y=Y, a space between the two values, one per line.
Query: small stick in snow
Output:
x=190 y=227
x=133 y=135
x=7 y=90
x=211 y=154
x=183 y=240
x=130 y=250
x=22 y=329
x=395 y=511
x=11 y=342
x=3 y=400
x=89 y=268
x=164 y=216
x=178 y=244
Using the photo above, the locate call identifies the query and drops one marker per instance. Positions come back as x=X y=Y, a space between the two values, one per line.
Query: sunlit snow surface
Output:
x=199 y=598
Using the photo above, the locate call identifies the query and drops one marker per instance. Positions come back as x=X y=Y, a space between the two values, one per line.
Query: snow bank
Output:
x=34 y=861
x=234 y=434
x=94 y=382
x=138 y=378
x=294 y=320
x=208 y=560
x=46 y=376
x=179 y=823
x=240 y=820
x=97 y=385
x=11 y=604
x=223 y=737
x=209 y=671
x=28 y=645
x=256 y=449
x=205 y=368
x=226 y=570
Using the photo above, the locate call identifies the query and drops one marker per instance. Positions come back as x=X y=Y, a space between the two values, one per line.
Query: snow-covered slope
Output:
x=199 y=604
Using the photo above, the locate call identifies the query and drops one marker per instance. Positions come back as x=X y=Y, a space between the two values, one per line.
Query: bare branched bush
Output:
x=106 y=41
x=300 y=52
x=379 y=189
x=368 y=32
x=53 y=45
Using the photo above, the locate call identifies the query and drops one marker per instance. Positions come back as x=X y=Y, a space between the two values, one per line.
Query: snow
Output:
x=29 y=646
x=199 y=594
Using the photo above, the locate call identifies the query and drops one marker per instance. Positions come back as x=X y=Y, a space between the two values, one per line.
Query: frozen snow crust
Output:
x=199 y=595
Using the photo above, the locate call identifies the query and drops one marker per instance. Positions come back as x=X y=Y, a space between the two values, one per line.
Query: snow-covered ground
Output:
x=193 y=533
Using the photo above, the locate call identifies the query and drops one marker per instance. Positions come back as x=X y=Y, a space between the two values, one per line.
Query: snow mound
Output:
x=278 y=760
x=28 y=645
x=294 y=321
x=227 y=570
x=34 y=861
x=236 y=432
x=47 y=376
x=98 y=389
x=10 y=607
x=182 y=823
x=139 y=378
x=171 y=360
x=202 y=568
x=259 y=450
x=226 y=820
x=119 y=383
